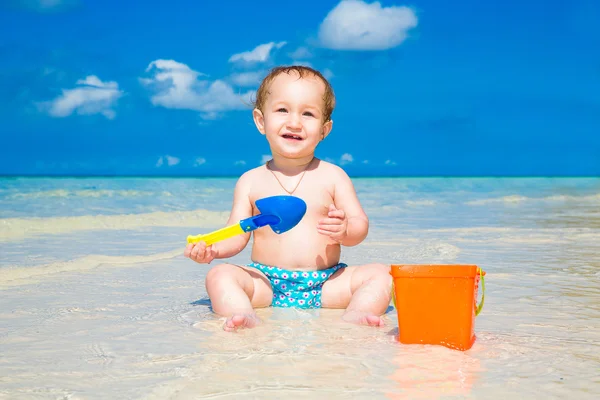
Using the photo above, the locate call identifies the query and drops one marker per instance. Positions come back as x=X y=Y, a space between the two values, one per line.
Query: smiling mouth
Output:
x=290 y=136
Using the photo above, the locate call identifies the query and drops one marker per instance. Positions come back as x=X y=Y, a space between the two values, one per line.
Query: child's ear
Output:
x=326 y=129
x=259 y=120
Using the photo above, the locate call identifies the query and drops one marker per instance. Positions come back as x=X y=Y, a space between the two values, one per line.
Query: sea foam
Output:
x=22 y=228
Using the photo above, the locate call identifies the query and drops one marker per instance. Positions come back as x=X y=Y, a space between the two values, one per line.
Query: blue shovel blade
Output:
x=281 y=213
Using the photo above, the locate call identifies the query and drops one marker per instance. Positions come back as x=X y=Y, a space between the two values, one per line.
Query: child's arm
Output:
x=241 y=208
x=345 y=199
x=348 y=223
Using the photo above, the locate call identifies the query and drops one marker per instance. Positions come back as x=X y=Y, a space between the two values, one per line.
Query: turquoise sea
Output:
x=98 y=301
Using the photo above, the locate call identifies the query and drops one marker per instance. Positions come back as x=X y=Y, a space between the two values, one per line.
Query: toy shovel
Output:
x=281 y=213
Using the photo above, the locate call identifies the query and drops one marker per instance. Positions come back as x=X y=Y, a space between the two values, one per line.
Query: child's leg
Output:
x=364 y=291
x=234 y=293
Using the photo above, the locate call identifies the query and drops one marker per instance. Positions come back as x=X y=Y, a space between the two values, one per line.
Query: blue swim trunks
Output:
x=300 y=289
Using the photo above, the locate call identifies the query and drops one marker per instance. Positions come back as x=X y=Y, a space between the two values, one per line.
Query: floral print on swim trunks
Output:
x=300 y=289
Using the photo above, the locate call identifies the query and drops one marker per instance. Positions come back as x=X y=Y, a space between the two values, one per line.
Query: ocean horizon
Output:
x=355 y=175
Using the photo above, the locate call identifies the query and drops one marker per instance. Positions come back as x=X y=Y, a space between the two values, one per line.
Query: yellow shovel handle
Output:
x=217 y=236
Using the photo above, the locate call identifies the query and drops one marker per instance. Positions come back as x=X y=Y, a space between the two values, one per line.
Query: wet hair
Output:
x=302 y=71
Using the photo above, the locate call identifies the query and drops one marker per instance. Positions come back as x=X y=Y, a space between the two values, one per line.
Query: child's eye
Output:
x=281 y=110
x=309 y=114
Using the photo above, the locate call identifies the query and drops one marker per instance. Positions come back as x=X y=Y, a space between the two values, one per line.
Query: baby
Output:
x=301 y=267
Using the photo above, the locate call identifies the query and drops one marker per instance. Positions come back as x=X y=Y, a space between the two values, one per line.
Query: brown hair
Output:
x=302 y=71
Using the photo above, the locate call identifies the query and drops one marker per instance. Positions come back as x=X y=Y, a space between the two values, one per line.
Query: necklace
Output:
x=297 y=184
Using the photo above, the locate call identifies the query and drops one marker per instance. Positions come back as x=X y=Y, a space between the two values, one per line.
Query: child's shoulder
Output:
x=254 y=171
x=251 y=174
x=333 y=170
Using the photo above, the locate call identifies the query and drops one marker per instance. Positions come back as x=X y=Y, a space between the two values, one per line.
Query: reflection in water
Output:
x=430 y=372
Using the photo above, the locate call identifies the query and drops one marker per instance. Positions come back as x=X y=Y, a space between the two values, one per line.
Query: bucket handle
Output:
x=480 y=306
x=477 y=308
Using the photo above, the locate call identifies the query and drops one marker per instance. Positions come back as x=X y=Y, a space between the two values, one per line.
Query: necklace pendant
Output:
x=299 y=180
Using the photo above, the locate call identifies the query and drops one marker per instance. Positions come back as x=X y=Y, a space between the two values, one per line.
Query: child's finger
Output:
x=188 y=250
x=330 y=221
x=330 y=229
x=211 y=254
x=337 y=214
x=324 y=232
x=198 y=250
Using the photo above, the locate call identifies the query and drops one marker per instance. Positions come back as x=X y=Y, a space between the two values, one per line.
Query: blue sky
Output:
x=427 y=87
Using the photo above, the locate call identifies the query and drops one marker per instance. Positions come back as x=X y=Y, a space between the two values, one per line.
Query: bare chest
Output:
x=316 y=192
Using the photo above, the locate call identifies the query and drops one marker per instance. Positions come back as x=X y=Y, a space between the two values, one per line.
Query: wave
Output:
x=515 y=199
x=62 y=193
x=375 y=207
x=15 y=275
x=525 y=236
x=416 y=203
x=22 y=228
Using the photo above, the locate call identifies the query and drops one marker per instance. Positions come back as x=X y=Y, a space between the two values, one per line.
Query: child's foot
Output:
x=239 y=321
x=363 y=318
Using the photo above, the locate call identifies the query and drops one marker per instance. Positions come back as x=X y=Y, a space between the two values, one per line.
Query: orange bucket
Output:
x=437 y=304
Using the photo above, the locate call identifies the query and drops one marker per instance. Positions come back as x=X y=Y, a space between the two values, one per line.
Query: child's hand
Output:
x=335 y=225
x=200 y=253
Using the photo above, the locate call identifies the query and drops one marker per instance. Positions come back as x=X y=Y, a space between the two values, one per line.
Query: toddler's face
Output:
x=292 y=117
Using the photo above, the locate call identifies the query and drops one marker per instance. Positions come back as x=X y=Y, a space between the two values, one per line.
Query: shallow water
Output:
x=98 y=302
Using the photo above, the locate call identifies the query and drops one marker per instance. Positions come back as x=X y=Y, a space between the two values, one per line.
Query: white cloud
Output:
x=304 y=63
x=265 y=158
x=199 y=161
x=390 y=162
x=260 y=53
x=346 y=158
x=250 y=78
x=240 y=162
x=210 y=116
x=178 y=86
x=357 y=25
x=300 y=52
x=327 y=73
x=92 y=96
x=170 y=160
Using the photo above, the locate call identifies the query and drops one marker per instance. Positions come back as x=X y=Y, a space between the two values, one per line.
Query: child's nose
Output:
x=294 y=121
